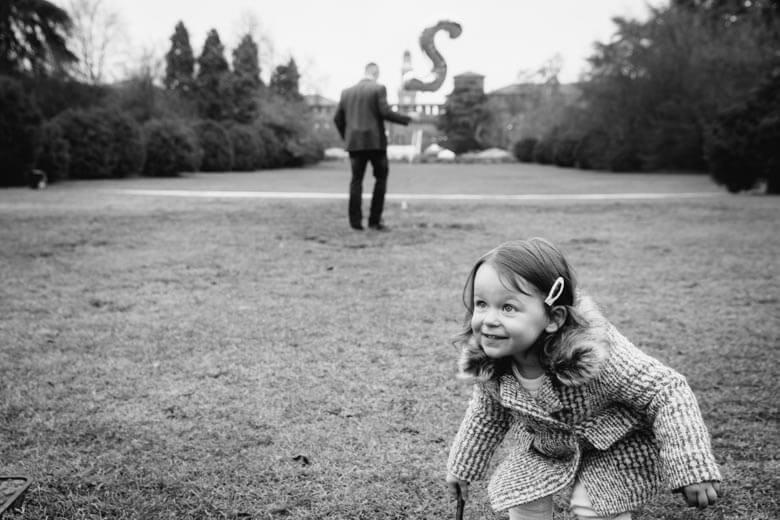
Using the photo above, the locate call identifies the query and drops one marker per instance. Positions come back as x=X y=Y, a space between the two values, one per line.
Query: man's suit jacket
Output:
x=361 y=114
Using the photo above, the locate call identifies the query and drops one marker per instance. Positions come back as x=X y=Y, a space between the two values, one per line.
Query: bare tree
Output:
x=550 y=69
x=313 y=79
x=546 y=72
x=96 y=35
x=146 y=63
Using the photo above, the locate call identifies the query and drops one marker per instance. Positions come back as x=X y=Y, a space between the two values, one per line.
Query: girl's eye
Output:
x=479 y=304
x=508 y=308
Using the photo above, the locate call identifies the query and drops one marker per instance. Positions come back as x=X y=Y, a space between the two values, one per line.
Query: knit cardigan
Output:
x=623 y=424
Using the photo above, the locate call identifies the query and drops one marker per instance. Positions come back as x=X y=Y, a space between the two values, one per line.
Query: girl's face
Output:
x=506 y=322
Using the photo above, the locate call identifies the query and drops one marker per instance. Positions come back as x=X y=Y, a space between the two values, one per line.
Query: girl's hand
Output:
x=701 y=495
x=452 y=486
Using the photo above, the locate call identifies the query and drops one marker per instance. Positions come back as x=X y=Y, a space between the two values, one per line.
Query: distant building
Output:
x=425 y=128
x=519 y=110
x=406 y=97
x=322 y=111
x=521 y=98
x=321 y=107
x=528 y=110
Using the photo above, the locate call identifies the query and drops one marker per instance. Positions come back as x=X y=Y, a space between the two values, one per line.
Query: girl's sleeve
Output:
x=664 y=397
x=483 y=427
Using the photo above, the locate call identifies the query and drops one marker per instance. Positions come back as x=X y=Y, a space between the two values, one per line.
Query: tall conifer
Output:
x=246 y=62
x=246 y=80
x=213 y=81
x=284 y=81
x=180 y=62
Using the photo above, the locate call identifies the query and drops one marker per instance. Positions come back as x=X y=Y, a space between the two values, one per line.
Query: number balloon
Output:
x=429 y=47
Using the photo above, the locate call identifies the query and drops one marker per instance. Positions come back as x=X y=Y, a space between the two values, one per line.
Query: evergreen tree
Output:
x=213 y=80
x=33 y=36
x=246 y=80
x=246 y=61
x=180 y=62
x=655 y=89
x=465 y=113
x=743 y=147
x=284 y=81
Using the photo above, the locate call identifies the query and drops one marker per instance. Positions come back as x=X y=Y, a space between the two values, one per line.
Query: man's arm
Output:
x=339 y=118
x=386 y=112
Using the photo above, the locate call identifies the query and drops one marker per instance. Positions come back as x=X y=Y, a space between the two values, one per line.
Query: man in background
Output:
x=360 y=119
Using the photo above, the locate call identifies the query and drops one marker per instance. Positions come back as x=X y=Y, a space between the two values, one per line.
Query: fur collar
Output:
x=581 y=352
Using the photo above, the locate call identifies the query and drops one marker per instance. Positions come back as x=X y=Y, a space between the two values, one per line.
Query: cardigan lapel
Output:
x=548 y=397
x=514 y=396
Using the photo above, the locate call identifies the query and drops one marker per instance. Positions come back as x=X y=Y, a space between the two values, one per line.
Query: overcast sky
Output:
x=332 y=40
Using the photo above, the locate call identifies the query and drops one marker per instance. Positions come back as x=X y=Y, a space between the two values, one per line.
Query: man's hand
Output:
x=452 y=486
x=701 y=495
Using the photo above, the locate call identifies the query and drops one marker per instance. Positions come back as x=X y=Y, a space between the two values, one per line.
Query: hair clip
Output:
x=555 y=291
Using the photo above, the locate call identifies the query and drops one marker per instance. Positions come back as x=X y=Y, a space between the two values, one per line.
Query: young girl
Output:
x=586 y=411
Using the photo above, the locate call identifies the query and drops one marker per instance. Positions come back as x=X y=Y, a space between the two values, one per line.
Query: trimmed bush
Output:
x=102 y=142
x=624 y=159
x=285 y=128
x=245 y=147
x=564 y=152
x=302 y=150
x=270 y=147
x=590 y=152
x=91 y=142
x=523 y=149
x=53 y=152
x=543 y=150
x=19 y=120
x=129 y=150
x=171 y=148
x=215 y=143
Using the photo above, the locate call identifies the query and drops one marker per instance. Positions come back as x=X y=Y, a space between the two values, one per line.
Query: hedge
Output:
x=217 y=148
x=171 y=148
x=246 y=149
x=19 y=120
x=53 y=155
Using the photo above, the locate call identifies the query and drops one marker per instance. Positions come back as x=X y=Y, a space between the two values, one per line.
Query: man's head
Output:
x=372 y=71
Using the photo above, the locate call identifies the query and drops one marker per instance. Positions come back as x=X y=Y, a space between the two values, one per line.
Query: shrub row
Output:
x=100 y=142
x=593 y=150
x=176 y=145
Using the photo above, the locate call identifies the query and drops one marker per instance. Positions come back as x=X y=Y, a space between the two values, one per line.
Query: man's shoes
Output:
x=357 y=228
x=379 y=227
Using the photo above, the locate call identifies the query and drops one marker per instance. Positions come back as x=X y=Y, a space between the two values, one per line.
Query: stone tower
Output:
x=406 y=97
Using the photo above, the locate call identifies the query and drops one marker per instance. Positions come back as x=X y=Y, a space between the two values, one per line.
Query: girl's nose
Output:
x=491 y=317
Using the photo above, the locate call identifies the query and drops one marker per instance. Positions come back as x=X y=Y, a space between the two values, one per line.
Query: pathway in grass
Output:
x=233 y=194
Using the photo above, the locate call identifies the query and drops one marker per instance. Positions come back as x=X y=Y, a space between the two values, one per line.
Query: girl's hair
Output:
x=539 y=263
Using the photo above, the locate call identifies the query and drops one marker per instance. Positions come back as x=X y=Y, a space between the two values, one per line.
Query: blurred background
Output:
x=107 y=89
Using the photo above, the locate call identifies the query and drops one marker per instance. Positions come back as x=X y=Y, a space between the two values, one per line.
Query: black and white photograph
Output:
x=362 y=260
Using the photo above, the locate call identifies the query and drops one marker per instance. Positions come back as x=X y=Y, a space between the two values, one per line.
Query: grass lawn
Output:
x=249 y=358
